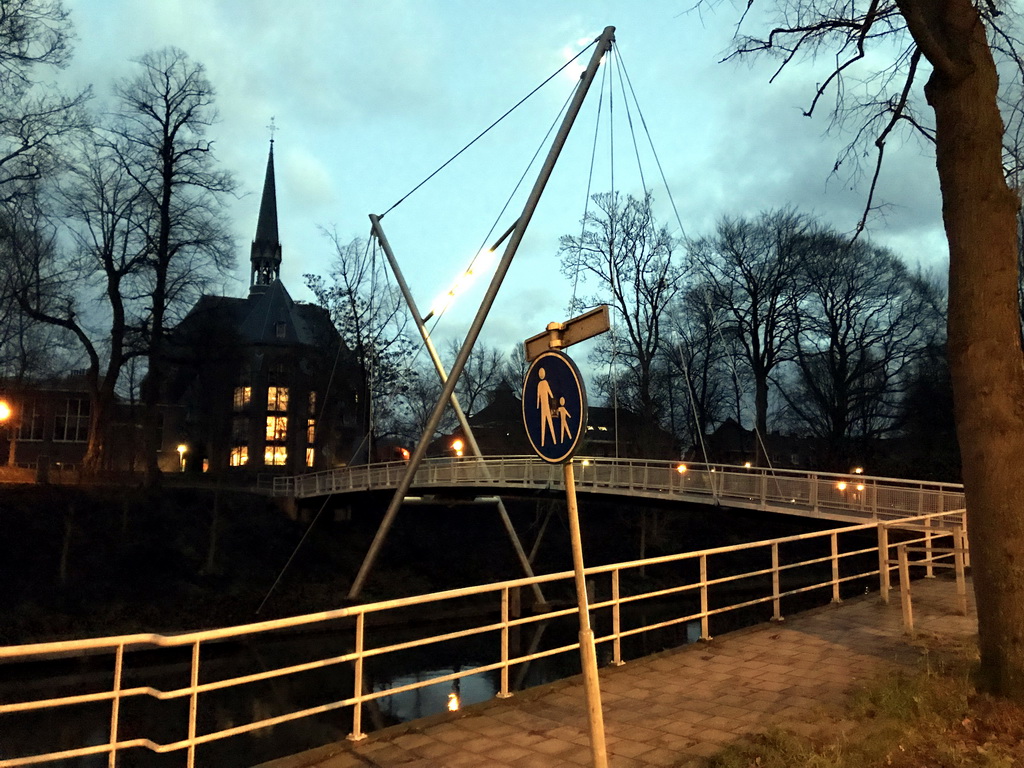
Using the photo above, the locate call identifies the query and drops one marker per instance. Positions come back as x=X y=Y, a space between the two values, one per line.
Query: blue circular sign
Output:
x=554 y=406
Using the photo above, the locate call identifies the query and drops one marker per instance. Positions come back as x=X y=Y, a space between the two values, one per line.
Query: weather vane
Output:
x=272 y=128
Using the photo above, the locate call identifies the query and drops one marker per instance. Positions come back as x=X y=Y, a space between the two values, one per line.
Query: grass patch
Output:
x=928 y=717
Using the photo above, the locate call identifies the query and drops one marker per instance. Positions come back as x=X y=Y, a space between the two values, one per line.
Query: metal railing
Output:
x=708 y=584
x=832 y=495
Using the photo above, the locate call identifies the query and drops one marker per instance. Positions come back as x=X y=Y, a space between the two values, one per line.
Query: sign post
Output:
x=555 y=417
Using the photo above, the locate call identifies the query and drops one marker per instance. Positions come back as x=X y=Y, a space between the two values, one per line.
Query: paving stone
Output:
x=677 y=707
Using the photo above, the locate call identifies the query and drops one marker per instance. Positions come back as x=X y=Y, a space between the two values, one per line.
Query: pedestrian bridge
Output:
x=843 y=497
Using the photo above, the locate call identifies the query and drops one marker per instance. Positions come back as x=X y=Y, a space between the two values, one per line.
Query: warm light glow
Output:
x=841 y=485
x=858 y=470
x=182 y=449
x=746 y=464
x=586 y=462
x=457 y=446
x=453 y=702
x=480 y=264
x=405 y=453
x=681 y=469
x=5 y=410
x=860 y=486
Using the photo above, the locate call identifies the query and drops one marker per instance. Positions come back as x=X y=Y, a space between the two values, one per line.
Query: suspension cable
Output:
x=487 y=129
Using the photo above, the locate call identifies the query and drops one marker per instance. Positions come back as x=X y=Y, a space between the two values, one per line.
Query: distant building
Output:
x=264 y=381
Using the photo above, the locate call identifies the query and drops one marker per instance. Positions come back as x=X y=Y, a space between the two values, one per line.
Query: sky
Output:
x=369 y=98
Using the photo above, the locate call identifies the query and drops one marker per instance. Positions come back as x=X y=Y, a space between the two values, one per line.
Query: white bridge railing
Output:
x=706 y=584
x=820 y=494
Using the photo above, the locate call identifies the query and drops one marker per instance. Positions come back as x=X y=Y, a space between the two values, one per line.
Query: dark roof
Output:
x=256 y=318
x=266 y=225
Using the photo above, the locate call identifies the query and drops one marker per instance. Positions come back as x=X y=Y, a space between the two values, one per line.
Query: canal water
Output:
x=168 y=669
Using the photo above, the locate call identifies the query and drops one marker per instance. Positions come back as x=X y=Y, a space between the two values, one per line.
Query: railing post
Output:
x=115 y=706
x=193 y=706
x=835 y=568
x=776 y=590
x=704 y=633
x=812 y=497
x=958 y=564
x=616 y=621
x=764 y=489
x=874 y=499
x=357 y=709
x=504 y=693
x=883 y=561
x=929 y=569
x=905 y=600
x=966 y=539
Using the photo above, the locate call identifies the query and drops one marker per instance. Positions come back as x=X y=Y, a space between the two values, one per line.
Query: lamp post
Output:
x=182 y=450
x=7 y=417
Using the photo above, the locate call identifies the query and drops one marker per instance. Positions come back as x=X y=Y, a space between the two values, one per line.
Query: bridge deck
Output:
x=842 y=497
x=677 y=707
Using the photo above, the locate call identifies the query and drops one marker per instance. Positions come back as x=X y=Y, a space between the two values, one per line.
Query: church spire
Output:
x=265 y=255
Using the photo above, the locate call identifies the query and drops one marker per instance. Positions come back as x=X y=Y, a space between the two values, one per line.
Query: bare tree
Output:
x=35 y=35
x=633 y=263
x=369 y=313
x=862 y=321
x=959 y=39
x=166 y=111
x=698 y=366
x=484 y=371
x=93 y=279
x=748 y=270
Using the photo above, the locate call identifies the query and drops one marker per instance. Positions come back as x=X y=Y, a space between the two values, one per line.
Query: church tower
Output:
x=265 y=255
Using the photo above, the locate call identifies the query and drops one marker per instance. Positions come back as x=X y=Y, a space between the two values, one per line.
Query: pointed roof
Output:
x=266 y=225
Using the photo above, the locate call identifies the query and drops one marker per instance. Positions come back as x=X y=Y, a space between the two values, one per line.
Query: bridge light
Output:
x=841 y=486
x=453 y=702
x=858 y=470
x=746 y=464
x=5 y=411
x=681 y=469
x=404 y=452
x=480 y=263
x=860 y=486
x=182 y=450
x=458 y=446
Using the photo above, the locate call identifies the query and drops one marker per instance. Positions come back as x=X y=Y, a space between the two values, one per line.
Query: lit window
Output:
x=239 y=456
x=277 y=429
x=309 y=456
x=277 y=399
x=243 y=396
x=275 y=456
x=310 y=431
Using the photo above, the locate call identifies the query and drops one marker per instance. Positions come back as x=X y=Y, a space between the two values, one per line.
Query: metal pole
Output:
x=604 y=43
x=588 y=654
x=474 y=447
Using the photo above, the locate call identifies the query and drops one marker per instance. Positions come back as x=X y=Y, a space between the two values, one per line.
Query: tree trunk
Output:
x=985 y=355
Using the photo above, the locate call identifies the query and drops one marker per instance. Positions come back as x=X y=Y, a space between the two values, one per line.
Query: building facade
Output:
x=264 y=381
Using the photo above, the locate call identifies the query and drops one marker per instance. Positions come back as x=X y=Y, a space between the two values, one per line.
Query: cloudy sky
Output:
x=371 y=97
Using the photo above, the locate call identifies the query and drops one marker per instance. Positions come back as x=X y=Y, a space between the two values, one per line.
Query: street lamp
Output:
x=182 y=450
x=7 y=417
x=458 y=446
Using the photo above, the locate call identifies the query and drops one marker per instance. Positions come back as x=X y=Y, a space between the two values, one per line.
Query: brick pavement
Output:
x=677 y=707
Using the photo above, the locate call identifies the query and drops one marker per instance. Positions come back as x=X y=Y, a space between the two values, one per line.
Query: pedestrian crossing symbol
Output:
x=554 y=406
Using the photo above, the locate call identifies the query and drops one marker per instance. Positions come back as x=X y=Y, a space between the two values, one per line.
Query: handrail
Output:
x=834 y=495
x=846 y=550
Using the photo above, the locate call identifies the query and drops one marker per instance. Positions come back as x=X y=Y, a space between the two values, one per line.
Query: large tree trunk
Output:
x=985 y=356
